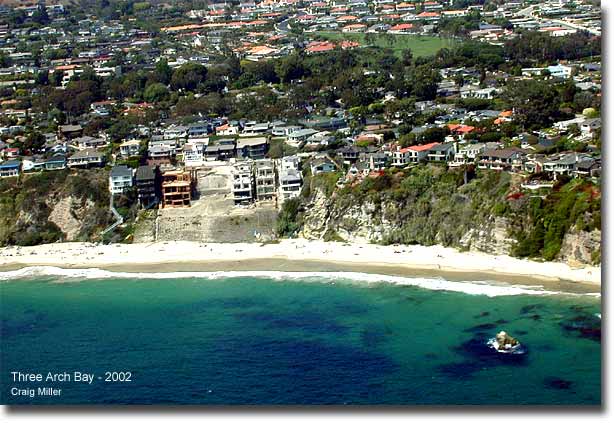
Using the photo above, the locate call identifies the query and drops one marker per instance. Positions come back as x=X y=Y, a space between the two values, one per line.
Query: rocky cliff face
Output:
x=463 y=216
x=373 y=223
x=53 y=206
x=581 y=247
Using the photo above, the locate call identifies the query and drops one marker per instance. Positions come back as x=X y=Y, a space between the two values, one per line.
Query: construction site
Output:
x=199 y=205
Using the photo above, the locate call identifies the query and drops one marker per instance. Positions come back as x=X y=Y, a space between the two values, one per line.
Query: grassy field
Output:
x=420 y=45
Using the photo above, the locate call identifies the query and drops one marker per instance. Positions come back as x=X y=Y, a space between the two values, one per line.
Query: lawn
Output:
x=420 y=45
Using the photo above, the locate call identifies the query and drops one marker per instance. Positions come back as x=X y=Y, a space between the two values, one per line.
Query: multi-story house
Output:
x=86 y=158
x=242 y=183
x=264 y=171
x=130 y=148
x=146 y=185
x=120 y=179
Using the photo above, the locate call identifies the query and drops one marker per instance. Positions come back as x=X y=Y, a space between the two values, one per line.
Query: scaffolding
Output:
x=177 y=188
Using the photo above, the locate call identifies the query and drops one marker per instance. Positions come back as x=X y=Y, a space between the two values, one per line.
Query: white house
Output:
x=120 y=179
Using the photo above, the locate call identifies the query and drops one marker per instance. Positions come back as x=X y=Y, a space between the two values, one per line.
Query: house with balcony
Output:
x=441 y=153
x=510 y=159
x=264 y=172
x=121 y=179
x=467 y=154
x=413 y=154
x=10 y=168
x=253 y=148
x=90 y=157
x=147 y=183
x=130 y=148
x=242 y=183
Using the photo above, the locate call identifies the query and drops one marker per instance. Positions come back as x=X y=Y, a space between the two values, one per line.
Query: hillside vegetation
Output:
x=482 y=211
x=53 y=206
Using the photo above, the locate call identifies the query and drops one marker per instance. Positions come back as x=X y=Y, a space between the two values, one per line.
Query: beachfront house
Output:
x=242 y=183
x=120 y=179
x=265 y=179
x=147 y=181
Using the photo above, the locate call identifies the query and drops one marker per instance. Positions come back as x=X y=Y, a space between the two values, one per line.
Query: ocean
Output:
x=274 y=338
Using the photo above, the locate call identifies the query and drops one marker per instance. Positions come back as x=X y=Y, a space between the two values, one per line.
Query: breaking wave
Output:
x=487 y=288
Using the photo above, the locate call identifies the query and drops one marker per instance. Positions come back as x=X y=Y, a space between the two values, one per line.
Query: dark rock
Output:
x=585 y=325
x=556 y=383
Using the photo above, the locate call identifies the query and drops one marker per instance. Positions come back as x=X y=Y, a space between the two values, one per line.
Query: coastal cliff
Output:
x=483 y=211
x=53 y=206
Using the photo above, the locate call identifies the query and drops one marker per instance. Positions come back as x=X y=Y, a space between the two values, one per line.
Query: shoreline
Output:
x=304 y=255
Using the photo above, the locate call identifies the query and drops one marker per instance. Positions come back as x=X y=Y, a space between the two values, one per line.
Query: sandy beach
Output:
x=297 y=254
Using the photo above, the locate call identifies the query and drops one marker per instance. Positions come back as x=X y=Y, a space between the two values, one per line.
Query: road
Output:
x=528 y=12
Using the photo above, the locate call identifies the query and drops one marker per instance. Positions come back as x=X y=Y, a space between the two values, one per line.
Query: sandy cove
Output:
x=432 y=258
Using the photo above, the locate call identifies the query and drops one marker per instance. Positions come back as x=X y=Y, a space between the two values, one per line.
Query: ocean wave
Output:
x=487 y=288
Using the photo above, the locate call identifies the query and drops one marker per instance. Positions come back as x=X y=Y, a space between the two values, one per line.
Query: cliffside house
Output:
x=501 y=159
x=130 y=148
x=120 y=179
x=442 y=152
x=253 y=148
x=40 y=163
x=147 y=181
x=467 y=154
x=10 y=168
x=90 y=157
x=413 y=154
x=322 y=165
x=295 y=138
x=290 y=183
x=89 y=142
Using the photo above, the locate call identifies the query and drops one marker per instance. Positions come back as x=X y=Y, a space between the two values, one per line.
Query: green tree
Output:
x=155 y=92
x=188 y=77
x=163 y=72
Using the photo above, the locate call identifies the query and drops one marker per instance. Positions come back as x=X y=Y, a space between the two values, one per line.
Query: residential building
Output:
x=177 y=188
x=90 y=157
x=146 y=180
x=253 y=148
x=413 y=154
x=89 y=142
x=120 y=179
x=242 y=183
x=220 y=151
x=130 y=148
x=441 y=152
x=10 y=168
x=322 y=165
x=467 y=154
x=264 y=171
x=501 y=159
x=299 y=136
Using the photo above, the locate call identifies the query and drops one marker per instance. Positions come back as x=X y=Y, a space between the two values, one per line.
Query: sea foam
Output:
x=487 y=288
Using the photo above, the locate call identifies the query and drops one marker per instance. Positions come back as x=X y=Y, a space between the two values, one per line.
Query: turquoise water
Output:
x=254 y=340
